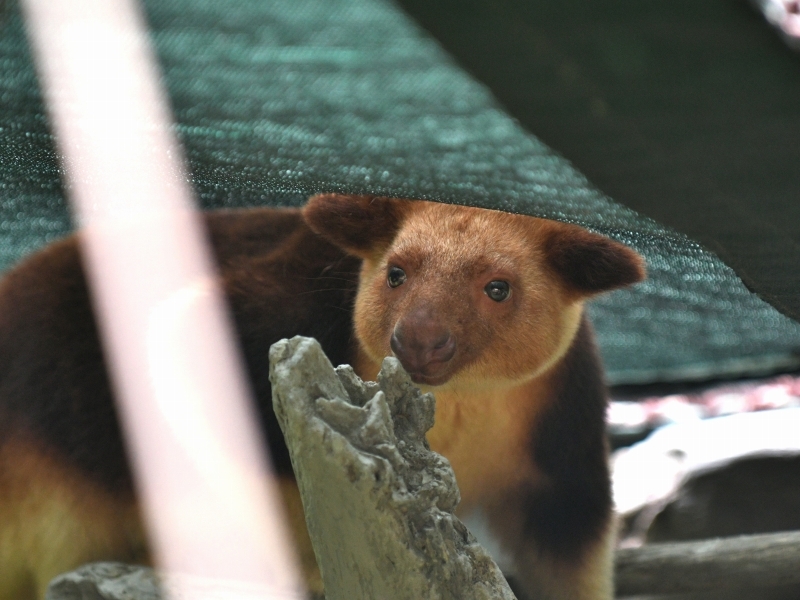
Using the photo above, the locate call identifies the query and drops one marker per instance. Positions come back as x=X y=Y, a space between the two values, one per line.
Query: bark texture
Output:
x=379 y=504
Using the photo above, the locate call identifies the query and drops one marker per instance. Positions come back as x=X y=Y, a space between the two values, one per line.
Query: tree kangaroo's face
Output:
x=465 y=295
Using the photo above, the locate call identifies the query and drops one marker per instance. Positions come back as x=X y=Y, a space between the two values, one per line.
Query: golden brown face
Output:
x=464 y=294
x=467 y=296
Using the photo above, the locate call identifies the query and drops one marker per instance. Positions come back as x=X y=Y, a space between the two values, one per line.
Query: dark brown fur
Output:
x=592 y=264
x=281 y=280
x=552 y=525
x=574 y=504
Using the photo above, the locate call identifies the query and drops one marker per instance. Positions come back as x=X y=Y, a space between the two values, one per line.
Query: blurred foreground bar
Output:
x=208 y=497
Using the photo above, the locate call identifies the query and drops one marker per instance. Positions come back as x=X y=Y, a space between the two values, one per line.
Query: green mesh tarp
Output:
x=278 y=100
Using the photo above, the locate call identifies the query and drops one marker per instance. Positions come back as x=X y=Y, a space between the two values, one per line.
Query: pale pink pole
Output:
x=209 y=499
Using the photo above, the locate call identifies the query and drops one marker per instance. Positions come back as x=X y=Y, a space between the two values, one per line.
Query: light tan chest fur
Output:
x=485 y=434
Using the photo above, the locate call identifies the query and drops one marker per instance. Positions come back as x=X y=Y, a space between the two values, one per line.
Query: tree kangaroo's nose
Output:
x=421 y=342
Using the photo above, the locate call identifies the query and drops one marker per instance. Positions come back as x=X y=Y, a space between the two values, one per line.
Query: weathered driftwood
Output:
x=378 y=502
x=742 y=562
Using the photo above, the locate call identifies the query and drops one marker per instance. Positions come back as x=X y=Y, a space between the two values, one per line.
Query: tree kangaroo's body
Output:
x=520 y=394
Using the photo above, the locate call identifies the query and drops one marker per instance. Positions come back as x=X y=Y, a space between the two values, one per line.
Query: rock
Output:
x=106 y=581
x=378 y=502
x=118 y=581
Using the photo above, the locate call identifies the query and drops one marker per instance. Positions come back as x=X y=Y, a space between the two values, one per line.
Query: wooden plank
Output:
x=751 y=561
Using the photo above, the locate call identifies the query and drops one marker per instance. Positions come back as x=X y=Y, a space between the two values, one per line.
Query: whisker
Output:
x=329 y=279
x=337 y=307
x=324 y=290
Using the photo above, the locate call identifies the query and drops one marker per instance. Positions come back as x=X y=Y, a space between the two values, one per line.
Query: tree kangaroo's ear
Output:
x=360 y=225
x=590 y=263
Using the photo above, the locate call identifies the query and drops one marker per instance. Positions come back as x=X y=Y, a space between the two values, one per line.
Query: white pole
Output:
x=210 y=502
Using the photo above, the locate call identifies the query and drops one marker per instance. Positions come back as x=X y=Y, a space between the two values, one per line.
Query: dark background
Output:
x=687 y=111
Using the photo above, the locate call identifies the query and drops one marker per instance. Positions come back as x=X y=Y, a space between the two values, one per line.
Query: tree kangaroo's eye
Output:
x=498 y=290
x=396 y=277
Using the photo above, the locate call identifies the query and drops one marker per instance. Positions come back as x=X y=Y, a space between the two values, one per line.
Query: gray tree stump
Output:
x=378 y=503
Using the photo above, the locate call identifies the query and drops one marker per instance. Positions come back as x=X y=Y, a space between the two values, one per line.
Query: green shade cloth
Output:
x=278 y=100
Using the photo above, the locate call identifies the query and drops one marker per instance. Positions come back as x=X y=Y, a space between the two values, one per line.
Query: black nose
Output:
x=422 y=345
